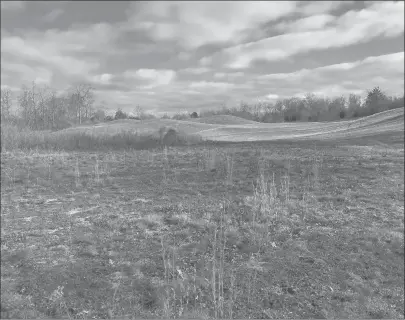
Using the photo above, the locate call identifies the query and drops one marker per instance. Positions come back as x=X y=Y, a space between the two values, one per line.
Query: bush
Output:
x=120 y=115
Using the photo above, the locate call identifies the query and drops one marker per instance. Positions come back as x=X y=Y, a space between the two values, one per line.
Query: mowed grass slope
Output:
x=233 y=129
x=273 y=229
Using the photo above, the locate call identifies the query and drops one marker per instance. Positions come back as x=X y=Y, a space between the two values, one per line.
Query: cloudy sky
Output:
x=175 y=55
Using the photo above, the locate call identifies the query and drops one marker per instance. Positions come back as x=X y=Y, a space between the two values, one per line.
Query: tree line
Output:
x=43 y=108
x=314 y=108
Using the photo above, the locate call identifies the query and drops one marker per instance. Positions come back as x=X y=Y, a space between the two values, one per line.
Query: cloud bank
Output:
x=178 y=55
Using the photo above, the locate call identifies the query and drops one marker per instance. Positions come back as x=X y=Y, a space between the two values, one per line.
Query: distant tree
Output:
x=81 y=99
x=244 y=107
x=120 y=115
x=138 y=112
x=376 y=101
x=354 y=105
x=396 y=102
x=316 y=106
x=194 y=115
x=180 y=116
x=6 y=101
x=99 y=115
x=108 y=118
x=147 y=116
x=336 y=105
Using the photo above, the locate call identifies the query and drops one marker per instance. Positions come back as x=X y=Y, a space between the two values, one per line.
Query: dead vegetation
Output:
x=281 y=230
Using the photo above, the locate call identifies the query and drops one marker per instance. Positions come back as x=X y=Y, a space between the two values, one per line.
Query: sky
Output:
x=176 y=56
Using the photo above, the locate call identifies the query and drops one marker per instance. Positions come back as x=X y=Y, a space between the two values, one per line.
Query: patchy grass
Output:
x=72 y=139
x=223 y=231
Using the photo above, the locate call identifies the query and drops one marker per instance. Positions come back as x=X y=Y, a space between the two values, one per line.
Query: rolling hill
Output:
x=234 y=129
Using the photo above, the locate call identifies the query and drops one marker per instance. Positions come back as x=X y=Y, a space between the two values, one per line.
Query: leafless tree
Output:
x=27 y=104
x=81 y=102
x=6 y=102
x=138 y=112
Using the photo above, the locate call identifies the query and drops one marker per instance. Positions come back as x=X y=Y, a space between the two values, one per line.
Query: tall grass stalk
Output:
x=77 y=173
x=229 y=169
x=97 y=172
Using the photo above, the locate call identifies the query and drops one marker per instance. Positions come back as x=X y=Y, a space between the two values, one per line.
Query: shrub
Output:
x=120 y=115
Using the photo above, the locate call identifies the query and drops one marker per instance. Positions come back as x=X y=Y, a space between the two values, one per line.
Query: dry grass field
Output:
x=269 y=221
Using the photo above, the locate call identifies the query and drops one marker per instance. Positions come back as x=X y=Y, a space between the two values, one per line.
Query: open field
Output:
x=310 y=225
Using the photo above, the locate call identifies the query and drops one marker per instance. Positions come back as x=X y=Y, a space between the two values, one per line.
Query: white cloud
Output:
x=318 y=7
x=305 y=24
x=61 y=52
x=12 y=5
x=196 y=23
x=93 y=38
x=351 y=77
x=195 y=71
x=104 y=78
x=153 y=77
x=100 y=53
x=219 y=75
x=210 y=85
x=57 y=49
x=272 y=96
x=390 y=61
x=232 y=75
x=205 y=61
x=380 y=19
x=26 y=74
x=184 y=56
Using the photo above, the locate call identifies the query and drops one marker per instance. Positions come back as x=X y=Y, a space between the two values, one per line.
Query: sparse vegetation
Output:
x=159 y=224
x=223 y=231
x=14 y=138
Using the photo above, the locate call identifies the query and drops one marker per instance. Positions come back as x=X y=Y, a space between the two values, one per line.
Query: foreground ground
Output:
x=269 y=230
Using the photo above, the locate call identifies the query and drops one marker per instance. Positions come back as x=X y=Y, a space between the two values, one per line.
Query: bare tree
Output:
x=81 y=102
x=28 y=106
x=354 y=105
x=44 y=112
x=6 y=102
x=138 y=112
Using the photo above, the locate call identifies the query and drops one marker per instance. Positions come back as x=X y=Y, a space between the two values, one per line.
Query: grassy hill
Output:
x=234 y=129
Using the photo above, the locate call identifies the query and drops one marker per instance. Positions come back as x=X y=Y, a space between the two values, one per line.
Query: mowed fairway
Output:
x=299 y=220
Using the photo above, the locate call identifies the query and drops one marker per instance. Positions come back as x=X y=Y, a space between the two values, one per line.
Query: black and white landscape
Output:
x=202 y=159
